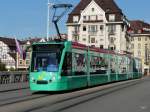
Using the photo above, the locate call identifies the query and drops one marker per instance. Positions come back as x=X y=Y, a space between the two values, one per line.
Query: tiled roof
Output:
x=13 y=55
x=8 y=41
x=109 y=6
x=141 y=27
x=11 y=44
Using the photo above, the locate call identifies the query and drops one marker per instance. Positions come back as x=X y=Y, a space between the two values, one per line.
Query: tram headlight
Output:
x=53 y=78
x=32 y=79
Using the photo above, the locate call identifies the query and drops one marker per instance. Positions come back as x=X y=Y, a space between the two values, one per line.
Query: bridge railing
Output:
x=13 y=77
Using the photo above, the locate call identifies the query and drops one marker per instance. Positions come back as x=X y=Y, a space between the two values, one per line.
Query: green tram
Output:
x=58 y=66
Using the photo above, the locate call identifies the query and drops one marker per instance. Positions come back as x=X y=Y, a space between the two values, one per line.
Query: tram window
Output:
x=79 y=65
x=135 y=69
x=98 y=65
x=45 y=62
x=113 y=65
x=67 y=65
x=122 y=65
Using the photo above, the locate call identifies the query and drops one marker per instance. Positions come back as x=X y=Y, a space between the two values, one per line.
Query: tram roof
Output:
x=95 y=49
x=80 y=46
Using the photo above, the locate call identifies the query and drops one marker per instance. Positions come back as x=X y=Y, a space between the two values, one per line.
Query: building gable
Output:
x=109 y=6
x=93 y=10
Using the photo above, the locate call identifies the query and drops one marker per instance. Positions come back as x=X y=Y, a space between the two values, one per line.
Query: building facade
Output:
x=24 y=64
x=140 y=34
x=99 y=23
x=8 y=52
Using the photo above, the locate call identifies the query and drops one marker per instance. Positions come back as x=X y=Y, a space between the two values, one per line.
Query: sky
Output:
x=28 y=18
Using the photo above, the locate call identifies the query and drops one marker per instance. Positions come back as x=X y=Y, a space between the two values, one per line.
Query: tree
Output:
x=2 y=66
x=12 y=69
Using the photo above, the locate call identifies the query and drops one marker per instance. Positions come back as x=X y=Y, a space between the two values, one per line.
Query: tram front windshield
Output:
x=46 y=60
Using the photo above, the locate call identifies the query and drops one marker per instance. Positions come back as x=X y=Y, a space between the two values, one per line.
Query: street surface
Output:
x=135 y=98
x=127 y=96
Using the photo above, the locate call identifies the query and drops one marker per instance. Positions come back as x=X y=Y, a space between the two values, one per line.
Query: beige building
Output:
x=23 y=64
x=99 y=23
x=140 y=33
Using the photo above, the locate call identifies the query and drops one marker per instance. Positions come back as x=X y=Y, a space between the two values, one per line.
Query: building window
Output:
x=4 y=56
x=92 y=40
x=75 y=19
x=101 y=46
x=112 y=29
x=20 y=62
x=76 y=38
x=145 y=38
x=100 y=17
x=84 y=18
x=112 y=39
x=27 y=62
x=132 y=46
x=101 y=39
x=101 y=27
x=139 y=31
x=139 y=38
x=96 y=17
x=139 y=53
x=84 y=39
x=132 y=39
x=93 y=18
x=112 y=17
x=76 y=29
x=28 y=55
x=93 y=9
x=92 y=28
x=84 y=28
x=89 y=18
x=139 y=46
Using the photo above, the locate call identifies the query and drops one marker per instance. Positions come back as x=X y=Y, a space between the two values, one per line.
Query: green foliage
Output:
x=11 y=69
x=2 y=66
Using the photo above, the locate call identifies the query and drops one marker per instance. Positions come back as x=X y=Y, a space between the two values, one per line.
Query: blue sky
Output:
x=27 y=18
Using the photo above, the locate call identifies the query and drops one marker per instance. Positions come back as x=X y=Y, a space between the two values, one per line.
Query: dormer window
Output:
x=75 y=19
x=112 y=17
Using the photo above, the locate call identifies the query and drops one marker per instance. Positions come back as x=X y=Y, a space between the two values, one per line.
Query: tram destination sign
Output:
x=48 y=47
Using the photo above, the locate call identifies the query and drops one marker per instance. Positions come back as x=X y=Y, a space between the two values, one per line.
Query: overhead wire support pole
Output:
x=48 y=21
x=48 y=18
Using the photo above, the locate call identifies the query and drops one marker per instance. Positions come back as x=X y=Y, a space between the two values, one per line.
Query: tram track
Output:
x=62 y=101
x=24 y=98
x=5 y=91
x=75 y=100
